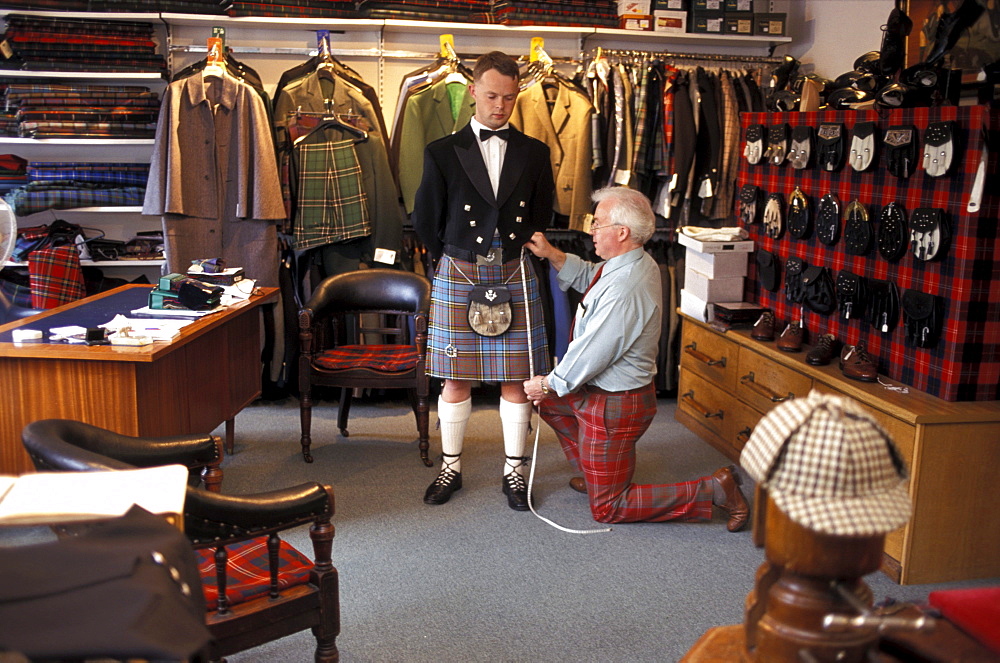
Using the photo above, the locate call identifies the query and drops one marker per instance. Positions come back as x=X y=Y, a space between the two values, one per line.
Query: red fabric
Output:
x=56 y=276
x=598 y=433
x=247 y=573
x=975 y=611
x=381 y=358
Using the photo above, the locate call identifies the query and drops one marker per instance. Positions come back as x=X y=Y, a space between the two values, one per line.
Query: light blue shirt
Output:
x=617 y=329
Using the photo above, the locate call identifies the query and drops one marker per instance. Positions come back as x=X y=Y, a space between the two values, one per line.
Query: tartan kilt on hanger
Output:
x=501 y=358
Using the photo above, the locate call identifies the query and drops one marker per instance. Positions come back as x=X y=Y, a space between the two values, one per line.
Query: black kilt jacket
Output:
x=455 y=205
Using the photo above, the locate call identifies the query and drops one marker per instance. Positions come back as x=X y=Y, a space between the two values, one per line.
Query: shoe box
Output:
x=713 y=272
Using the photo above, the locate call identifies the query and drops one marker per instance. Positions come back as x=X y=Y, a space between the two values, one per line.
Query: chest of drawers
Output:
x=728 y=381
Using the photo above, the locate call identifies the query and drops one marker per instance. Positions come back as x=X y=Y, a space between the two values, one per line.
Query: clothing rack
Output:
x=705 y=57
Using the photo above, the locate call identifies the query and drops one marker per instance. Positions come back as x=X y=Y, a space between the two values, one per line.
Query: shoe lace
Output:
x=515 y=482
x=446 y=476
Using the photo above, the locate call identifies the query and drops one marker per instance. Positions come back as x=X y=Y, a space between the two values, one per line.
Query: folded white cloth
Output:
x=733 y=234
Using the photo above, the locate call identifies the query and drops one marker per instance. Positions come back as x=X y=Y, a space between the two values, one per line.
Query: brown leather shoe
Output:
x=791 y=339
x=763 y=329
x=735 y=504
x=578 y=484
x=822 y=353
x=857 y=364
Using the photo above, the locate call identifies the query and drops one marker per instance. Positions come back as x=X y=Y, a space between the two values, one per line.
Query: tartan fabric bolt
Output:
x=829 y=466
x=456 y=352
x=247 y=571
x=56 y=276
x=598 y=433
x=331 y=206
x=375 y=357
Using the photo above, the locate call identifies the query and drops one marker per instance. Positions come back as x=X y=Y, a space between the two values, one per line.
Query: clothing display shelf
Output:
x=116 y=222
x=964 y=363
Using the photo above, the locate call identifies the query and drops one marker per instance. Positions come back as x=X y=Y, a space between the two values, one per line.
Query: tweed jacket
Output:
x=566 y=129
x=455 y=204
x=427 y=117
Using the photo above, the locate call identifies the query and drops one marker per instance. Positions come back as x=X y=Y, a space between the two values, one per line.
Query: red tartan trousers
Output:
x=598 y=433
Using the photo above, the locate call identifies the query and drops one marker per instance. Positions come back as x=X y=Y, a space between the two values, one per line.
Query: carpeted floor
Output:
x=472 y=580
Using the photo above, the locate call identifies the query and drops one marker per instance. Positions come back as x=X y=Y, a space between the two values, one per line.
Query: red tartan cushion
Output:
x=383 y=358
x=247 y=574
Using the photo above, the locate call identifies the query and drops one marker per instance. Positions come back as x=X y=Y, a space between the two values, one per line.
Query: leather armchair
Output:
x=226 y=531
x=333 y=326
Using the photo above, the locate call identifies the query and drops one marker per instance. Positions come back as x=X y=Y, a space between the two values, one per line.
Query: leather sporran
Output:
x=489 y=309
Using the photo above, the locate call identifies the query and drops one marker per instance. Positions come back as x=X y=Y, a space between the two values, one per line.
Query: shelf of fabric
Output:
x=119 y=77
x=104 y=150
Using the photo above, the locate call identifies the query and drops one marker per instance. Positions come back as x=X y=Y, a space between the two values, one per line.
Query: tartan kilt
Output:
x=502 y=358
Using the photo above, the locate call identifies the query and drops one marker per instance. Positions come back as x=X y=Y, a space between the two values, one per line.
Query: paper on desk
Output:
x=162 y=329
x=172 y=313
x=46 y=497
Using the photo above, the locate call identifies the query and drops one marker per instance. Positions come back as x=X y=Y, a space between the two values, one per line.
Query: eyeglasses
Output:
x=594 y=227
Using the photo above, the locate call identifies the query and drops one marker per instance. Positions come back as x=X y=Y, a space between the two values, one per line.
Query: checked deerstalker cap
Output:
x=829 y=467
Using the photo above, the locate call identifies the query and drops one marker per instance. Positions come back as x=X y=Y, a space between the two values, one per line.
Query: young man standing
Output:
x=485 y=191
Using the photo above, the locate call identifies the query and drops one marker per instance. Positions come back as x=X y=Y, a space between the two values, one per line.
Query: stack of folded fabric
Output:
x=568 y=13
x=8 y=123
x=13 y=172
x=455 y=11
x=78 y=44
x=179 y=6
x=294 y=8
x=49 y=110
x=58 y=185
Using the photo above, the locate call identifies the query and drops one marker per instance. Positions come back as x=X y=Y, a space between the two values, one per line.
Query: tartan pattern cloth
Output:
x=598 y=434
x=965 y=363
x=491 y=359
x=247 y=571
x=55 y=275
x=375 y=357
x=829 y=466
x=109 y=173
x=331 y=205
x=40 y=196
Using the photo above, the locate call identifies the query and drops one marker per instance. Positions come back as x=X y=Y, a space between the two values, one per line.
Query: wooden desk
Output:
x=191 y=384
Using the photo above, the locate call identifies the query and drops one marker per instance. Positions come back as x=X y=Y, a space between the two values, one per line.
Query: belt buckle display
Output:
x=490 y=259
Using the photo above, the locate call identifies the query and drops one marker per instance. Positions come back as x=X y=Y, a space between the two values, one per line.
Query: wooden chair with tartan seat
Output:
x=365 y=329
x=257 y=587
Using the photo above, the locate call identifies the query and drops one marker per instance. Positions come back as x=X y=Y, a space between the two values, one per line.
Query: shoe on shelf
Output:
x=578 y=484
x=447 y=482
x=822 y=352
x=763 y=329
x=735 y=504
x=791 y=339
x=857 y=364
x=516 y=491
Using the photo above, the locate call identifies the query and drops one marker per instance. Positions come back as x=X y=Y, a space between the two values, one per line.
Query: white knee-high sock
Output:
x=514 y=417
x=453 y=418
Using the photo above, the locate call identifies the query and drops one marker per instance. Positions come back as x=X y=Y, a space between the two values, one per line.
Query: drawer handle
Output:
x=744 y=435
x=764 y=391
x=699 y=408
x=702 y=357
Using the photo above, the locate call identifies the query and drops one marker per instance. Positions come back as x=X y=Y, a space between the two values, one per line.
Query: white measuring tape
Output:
x=534 y=453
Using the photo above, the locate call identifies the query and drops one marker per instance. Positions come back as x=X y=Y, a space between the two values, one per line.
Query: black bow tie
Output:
x=485 y=134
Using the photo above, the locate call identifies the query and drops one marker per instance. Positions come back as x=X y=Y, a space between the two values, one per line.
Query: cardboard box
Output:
x=708 y=5
x=639 y=22
x=709 y=22
x=635 y=7
x=739 y=6
x=769 y=24
x=717 y=265
x=738 y=24
x=743 y=246
x=670 y=22
x=713 y=290
x=670 y=5
x=694 y=306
